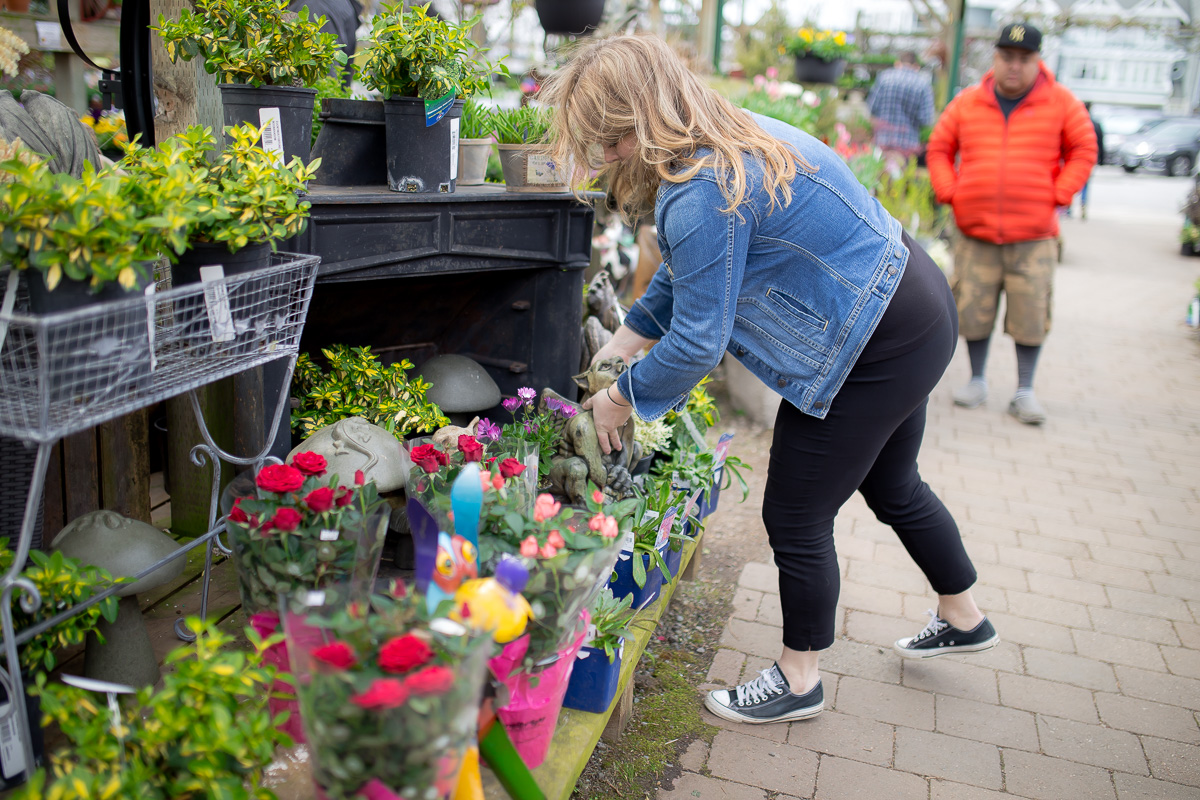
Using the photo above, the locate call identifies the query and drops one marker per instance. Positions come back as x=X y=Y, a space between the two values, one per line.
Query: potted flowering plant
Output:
x=820 y=54
x=424 y=68
x=266 y=58
x=642 y=566
x=304 y=531
x=534 y=432
x=389 y=699
x=597 y=671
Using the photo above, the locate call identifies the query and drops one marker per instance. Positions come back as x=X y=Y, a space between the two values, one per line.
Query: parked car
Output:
x=1120 y=125
x=1172 y=147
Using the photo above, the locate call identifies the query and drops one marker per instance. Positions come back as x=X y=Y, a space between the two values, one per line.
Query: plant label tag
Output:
x=49 y=36
x=315 y=598
x=721 y=450
x=12 y=754
x=693 y=501
x=150 y=323
x=272 y=133
x=540 y=170
x=436 y=109
x=329 y=535
x=454 y=148
x=664 y=528
x=216 y=300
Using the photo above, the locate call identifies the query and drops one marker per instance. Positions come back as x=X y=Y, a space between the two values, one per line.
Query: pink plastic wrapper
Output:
x=532 y=711
x=266 y=623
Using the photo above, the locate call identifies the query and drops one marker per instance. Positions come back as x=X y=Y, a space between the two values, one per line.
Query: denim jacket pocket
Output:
x=798 y=309
x=783 y=327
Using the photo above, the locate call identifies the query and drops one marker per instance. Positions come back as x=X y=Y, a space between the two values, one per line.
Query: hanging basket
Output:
x=810 y=69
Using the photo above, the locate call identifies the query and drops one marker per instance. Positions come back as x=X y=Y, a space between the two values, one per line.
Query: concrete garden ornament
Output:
x=353 y=444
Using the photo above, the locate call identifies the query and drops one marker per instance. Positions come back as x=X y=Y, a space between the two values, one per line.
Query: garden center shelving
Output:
x=70 y=371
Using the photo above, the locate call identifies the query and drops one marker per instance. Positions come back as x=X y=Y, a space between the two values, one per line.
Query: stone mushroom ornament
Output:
x=124 y=547
x=459 y=386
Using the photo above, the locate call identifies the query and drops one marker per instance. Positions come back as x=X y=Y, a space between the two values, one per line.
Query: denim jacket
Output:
x=793 y=294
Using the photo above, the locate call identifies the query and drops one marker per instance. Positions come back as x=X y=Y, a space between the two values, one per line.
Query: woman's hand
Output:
x=610 y=412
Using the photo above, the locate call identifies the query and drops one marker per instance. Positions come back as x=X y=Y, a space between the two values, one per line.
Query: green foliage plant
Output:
x=241 y=195
x=255 y=42
x=656 y=498
x=101 y=227
x=908 y=197
x=612 y=619
x=476 y=121
x=356 y=384
x=207 y=733
x=791 y=110
x=416 y=54
x=63 y=583
x=525 y=125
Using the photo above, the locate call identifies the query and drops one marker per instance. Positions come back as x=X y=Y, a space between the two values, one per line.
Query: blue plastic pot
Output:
x=594 y=680
x=674 y=559
x=622 y=584
x=709 y=505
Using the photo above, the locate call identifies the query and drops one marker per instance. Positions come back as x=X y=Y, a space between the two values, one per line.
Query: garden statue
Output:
x=446 y=437
x=605 y=315
x=595 y=336
x=579 y=459
x=459 y=386
x=354 y=444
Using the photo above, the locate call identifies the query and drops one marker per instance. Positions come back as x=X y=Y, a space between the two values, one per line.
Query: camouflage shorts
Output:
x=1023 y=270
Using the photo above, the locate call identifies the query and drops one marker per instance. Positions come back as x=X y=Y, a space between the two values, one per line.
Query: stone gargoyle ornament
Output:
x=579 y=459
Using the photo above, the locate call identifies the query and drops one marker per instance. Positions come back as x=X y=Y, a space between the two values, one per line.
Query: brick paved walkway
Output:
x=1086 y=537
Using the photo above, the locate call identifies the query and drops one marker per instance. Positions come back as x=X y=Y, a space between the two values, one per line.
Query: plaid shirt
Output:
x=901 y=104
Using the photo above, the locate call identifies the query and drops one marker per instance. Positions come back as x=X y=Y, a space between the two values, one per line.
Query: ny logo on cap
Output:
x=1017 y=34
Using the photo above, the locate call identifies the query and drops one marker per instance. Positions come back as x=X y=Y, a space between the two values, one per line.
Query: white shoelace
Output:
x=936 y=625
x=759 y=689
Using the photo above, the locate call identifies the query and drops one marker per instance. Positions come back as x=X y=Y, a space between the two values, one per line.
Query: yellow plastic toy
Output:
x=495 y=604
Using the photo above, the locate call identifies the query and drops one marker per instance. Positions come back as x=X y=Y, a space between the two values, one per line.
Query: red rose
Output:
x=320 y=500
x=383 y=693
x=280 y=478
x=510 y=467
x=431 y=680
x=404 y=653
x=398 y=589
x=427 y=457
x=471 y=449
x=236 y=514
x=286 y=519
x=335 y=654
x=359 y=478
x=310 y=463
x=344 y=497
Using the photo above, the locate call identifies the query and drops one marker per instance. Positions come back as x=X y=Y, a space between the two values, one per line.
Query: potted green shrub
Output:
x=641 y=568
x=266 y=59
x=62 y=583
x=241 y=203
x=474 y=144
x=205 y=733
x=597 y=672
x=424 y=68
x=521 y=134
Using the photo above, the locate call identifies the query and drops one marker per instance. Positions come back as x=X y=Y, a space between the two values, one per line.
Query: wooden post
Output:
x=80 y=474
x=191 y=486
x=125 y=465
x=621 y=714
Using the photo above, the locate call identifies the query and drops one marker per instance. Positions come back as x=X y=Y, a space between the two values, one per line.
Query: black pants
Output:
x=868 y=442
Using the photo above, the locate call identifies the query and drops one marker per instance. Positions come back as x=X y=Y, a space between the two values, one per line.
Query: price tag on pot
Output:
x=272 y=134
x=664 y=528
x=216 y=300
x=721 y=450
x=150 y=324
x=436 y=109
x=454 y=148
x=329 y=535
x=315 y=598
x=12 y=755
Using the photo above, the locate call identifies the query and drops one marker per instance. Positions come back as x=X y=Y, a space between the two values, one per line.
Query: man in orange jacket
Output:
x=1025 y=146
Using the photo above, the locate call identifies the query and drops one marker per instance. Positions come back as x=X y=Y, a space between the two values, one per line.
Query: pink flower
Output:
x=431 y=680
x=485 y=479
x=597 y=496
x=544 y=508
x=595 y=522
x=549 y=551
x=375 y=789
x=555 y=539
x=529 y=547
x=498 y=481
x=609 y=528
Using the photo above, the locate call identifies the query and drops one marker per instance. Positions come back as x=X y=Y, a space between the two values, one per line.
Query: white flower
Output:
x=12 y=47
x=651 y=436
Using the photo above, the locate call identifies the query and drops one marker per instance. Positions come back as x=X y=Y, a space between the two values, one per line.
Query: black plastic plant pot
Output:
x=97 y=354
x=11 y=772
x=352 y=144
x=244 y=103
x=810 y=69
x=570 y=17
x=206 y=254
x=421 y=159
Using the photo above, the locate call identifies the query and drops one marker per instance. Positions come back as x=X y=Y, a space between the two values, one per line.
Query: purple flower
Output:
x=554 y=404
x=568 y=411
x=512 y=404
x=487 y=430
x=526 y=394
x=531 y=428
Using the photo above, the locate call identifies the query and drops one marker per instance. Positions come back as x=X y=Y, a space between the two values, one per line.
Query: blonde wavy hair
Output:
x=637 y=84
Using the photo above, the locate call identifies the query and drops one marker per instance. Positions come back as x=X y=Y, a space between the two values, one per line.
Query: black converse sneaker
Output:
x=767 y=698
x=940 y=638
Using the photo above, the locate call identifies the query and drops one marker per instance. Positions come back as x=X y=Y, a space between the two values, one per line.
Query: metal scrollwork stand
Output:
x=68 y=372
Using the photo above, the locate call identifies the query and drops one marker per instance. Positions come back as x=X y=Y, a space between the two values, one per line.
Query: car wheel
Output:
x=1128 y=168
x=1179 y=166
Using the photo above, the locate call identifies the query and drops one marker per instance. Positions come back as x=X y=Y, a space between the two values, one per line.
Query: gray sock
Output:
x=977 y=351
x=1027 y=358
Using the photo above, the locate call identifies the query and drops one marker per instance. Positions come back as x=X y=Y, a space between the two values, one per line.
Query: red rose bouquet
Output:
x=389 y=699
x=435 y=470
x=305 y=530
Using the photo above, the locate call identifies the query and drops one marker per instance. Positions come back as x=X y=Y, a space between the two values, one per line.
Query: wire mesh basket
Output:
x=65 y=372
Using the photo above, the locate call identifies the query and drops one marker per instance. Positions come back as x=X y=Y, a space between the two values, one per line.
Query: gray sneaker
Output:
x=767 y=698
x=1027 y=409
x=973 y=395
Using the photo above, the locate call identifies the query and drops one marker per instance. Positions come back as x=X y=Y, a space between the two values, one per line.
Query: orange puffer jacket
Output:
x=1012 y=174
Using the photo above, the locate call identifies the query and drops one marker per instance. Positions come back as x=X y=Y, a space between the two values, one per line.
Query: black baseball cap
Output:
x=1021 y=35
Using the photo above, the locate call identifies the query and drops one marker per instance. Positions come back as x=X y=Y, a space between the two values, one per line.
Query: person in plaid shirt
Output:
x=901 y=104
